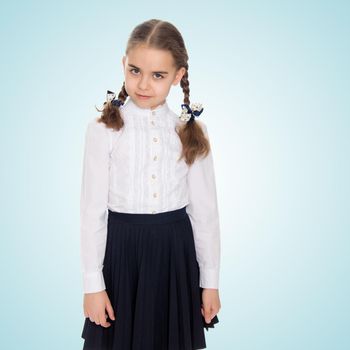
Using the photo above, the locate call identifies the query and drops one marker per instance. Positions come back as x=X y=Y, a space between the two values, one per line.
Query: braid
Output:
x=123 y=94
x=185 y=85
x=191 y=134
x=111 y=115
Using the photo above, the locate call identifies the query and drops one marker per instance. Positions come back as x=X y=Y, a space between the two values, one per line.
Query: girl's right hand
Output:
x=95 y=307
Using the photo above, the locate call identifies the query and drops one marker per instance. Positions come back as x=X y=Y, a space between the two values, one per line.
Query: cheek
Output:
x=130 y=83
x=162 y=87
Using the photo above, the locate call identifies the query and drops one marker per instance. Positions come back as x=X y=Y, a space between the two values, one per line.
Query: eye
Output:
x=161 y=77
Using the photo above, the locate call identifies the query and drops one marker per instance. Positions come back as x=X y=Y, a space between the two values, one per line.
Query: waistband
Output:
x=157 y=218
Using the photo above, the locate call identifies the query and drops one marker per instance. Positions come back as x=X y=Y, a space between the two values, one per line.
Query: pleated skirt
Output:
x=152 y=280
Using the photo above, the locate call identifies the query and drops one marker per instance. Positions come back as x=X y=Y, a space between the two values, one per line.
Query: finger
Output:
x=95 y=318
x=213 y=311
x=103 y=321
x=110 y=311
x=207 y=314
x=105 y=324
x=100 y=320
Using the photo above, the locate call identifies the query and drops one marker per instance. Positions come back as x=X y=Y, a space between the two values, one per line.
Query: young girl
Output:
x=150 y=235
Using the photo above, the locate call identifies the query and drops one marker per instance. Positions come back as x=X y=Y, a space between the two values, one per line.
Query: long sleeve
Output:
x=203 y=212
x=93 y=206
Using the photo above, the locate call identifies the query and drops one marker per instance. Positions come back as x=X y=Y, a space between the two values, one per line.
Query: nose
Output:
x=143 y=83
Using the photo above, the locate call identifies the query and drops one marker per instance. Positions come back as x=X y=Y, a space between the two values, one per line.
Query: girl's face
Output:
x=149 y=74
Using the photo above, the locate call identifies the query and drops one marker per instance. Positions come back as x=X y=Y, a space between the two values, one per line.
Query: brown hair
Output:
x=163 y=35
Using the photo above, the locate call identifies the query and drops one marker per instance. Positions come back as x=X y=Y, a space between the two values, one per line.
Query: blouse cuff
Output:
x=93 y=282
x=209 y=278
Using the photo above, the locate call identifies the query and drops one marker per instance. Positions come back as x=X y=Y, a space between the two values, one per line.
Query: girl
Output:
x=150 y=236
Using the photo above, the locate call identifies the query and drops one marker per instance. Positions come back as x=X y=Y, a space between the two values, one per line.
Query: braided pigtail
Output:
x=111 y=115
x=191 y=134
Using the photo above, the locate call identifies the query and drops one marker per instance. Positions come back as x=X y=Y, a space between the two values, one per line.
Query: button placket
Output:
x=154 y=154
x=153 y=114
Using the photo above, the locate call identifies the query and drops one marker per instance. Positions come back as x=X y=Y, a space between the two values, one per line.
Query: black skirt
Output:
x=152 y=280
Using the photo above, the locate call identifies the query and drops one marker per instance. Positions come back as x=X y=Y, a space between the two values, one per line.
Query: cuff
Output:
x=93 y=282
x=209 y=278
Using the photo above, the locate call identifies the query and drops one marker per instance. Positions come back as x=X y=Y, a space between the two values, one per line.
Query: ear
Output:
x=180 y=73
x=123 y=61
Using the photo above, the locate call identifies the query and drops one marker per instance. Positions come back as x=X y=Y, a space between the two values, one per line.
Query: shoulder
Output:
x=95 y=127
x=97 y=133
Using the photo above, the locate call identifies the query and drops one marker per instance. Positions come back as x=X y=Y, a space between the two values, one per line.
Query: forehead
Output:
x=150 y=59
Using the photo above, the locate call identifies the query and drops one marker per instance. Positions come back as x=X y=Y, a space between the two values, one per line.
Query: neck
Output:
x=160 y=104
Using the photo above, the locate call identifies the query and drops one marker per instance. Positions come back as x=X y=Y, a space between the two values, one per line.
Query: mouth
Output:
x=142 y=96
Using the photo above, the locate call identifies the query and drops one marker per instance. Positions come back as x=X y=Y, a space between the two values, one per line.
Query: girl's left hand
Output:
x=210 y=303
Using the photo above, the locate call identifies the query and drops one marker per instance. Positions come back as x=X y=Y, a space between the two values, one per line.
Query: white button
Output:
x=155 y=158
x=152 y=122
x=153 y=113
x=153 y=176
x=154 y=194
x=153 y=212
x=155 y=139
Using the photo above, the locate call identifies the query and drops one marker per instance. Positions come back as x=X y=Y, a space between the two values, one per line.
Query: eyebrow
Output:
x=162 y=72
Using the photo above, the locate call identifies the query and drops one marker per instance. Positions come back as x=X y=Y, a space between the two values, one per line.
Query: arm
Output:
x=93 y=206
x=203 y=212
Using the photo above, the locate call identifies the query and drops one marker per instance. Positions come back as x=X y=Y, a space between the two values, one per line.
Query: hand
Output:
x=210 y=303
x=95 y=306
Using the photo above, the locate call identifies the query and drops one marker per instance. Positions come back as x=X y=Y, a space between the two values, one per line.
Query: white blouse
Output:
x=135 y=170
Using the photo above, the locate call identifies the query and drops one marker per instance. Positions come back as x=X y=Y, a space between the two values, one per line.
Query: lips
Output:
x=142 y=95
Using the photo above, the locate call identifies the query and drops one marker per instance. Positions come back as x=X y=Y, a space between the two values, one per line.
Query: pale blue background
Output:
x=273 y=77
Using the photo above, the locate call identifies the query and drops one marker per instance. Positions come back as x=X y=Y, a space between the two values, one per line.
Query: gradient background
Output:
x=273 y=78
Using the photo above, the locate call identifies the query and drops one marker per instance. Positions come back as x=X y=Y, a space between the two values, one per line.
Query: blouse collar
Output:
x=131 y=106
